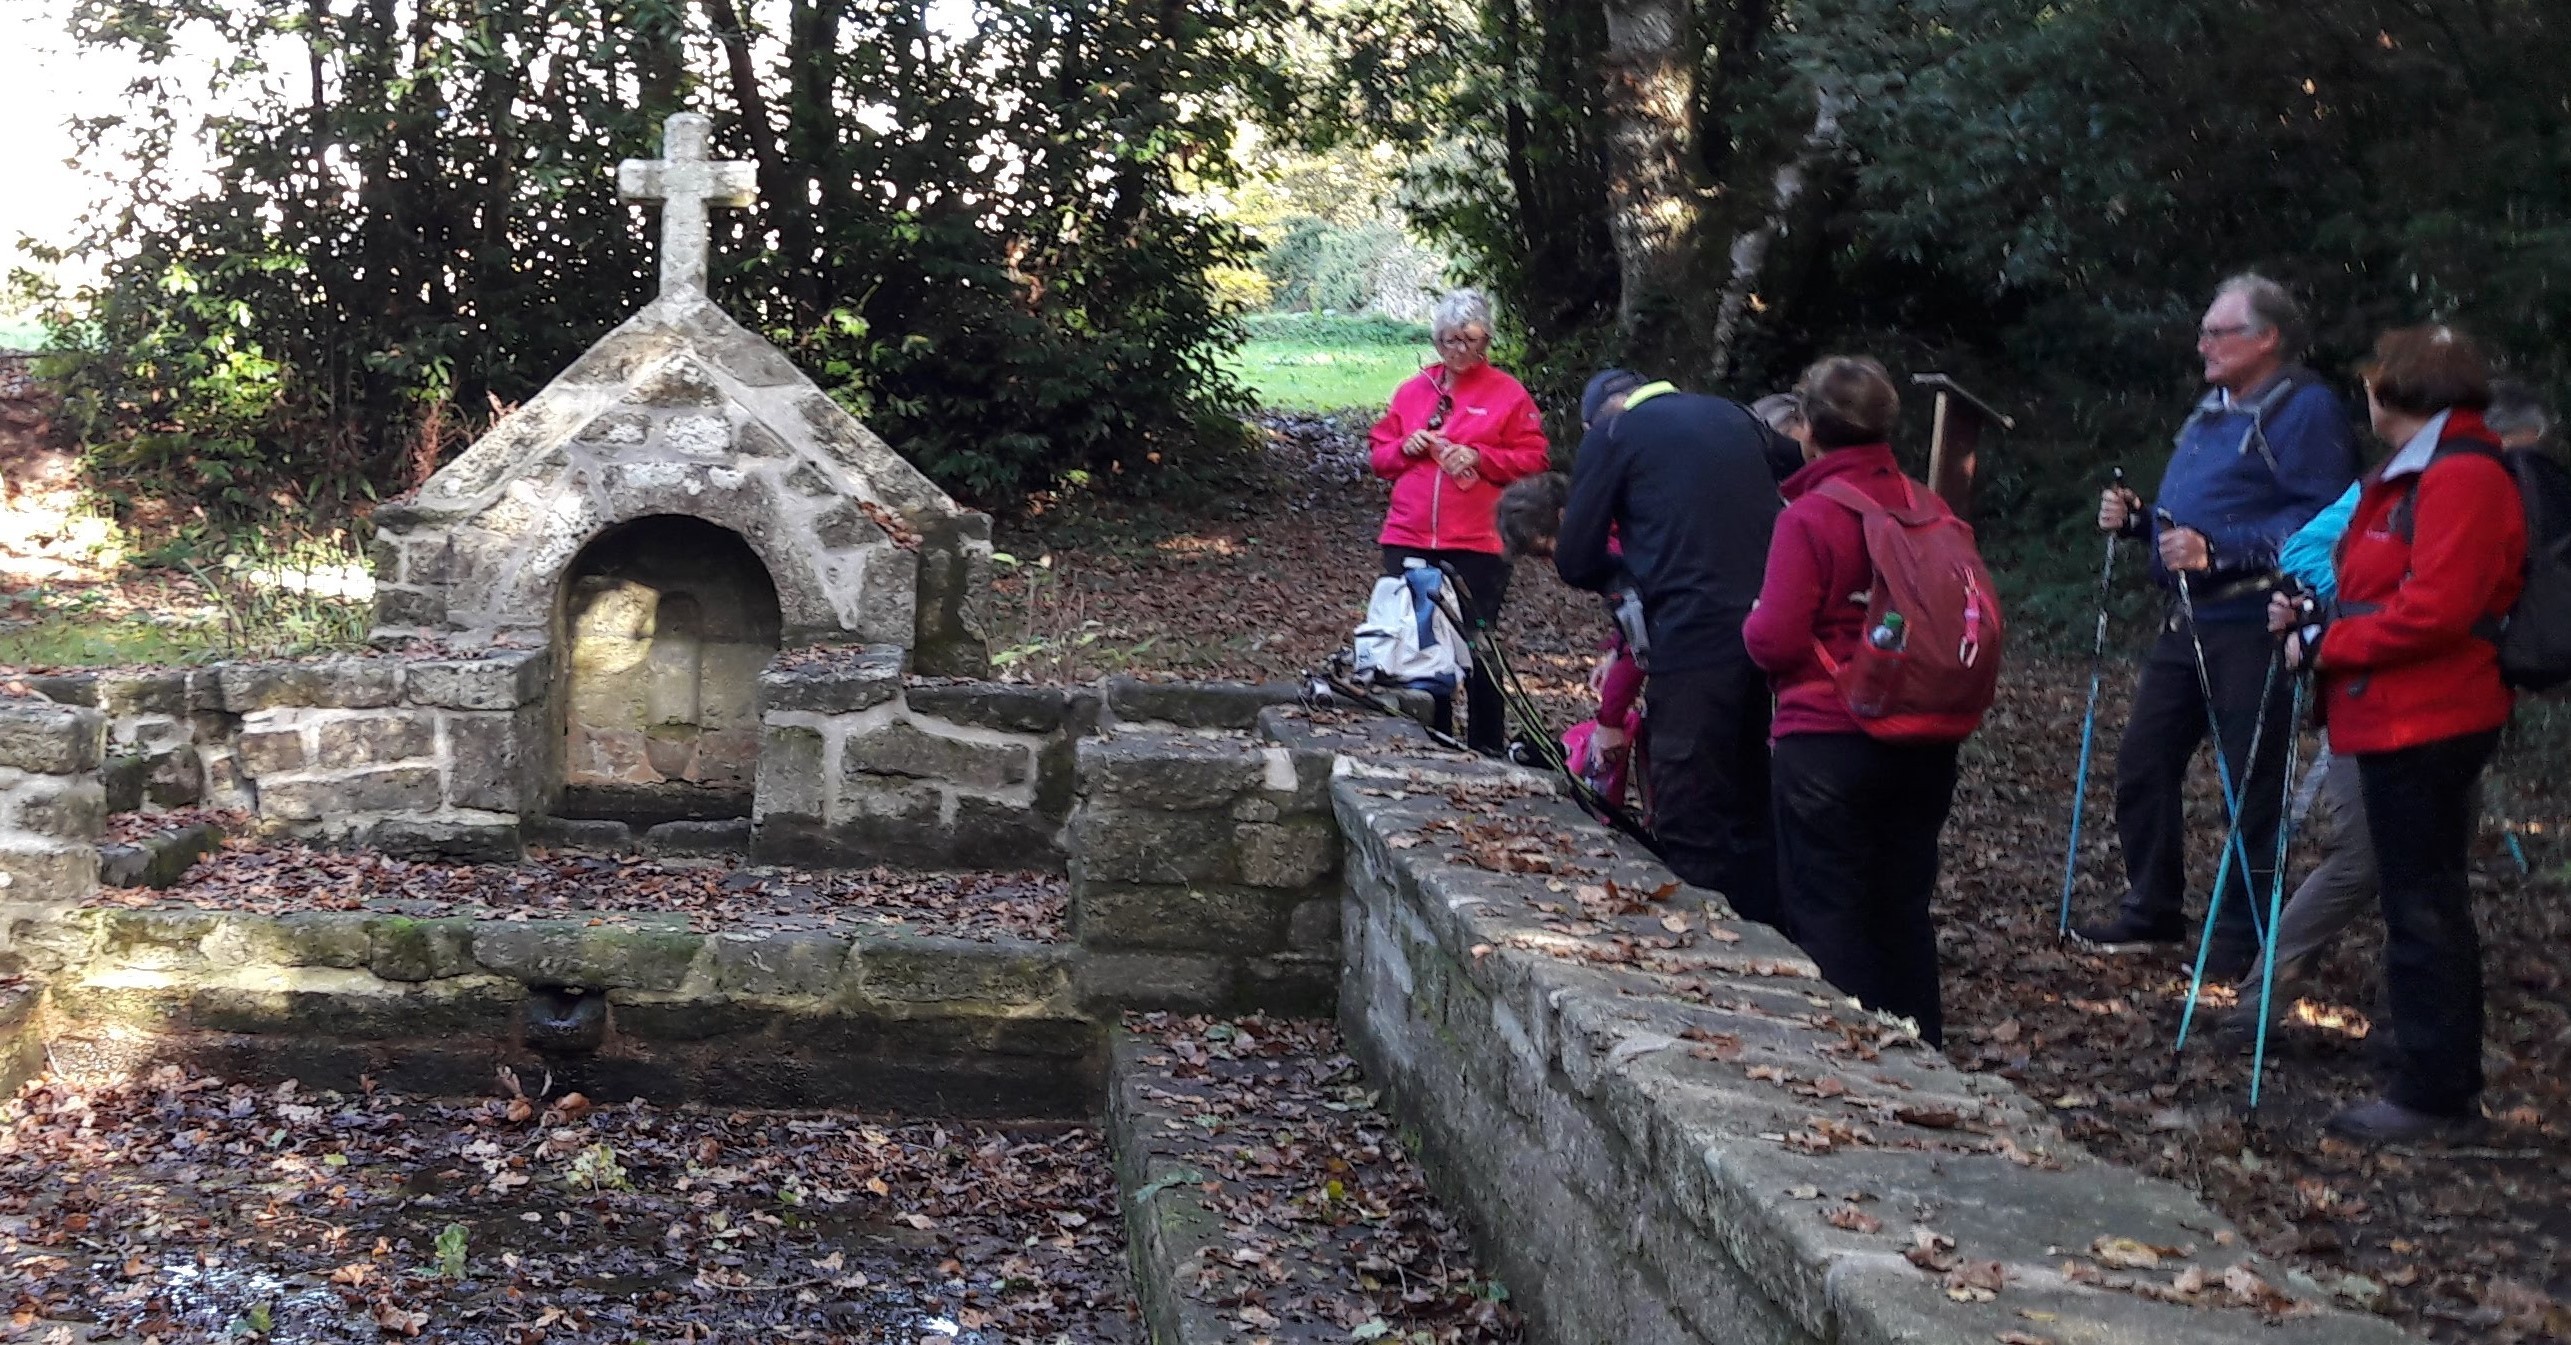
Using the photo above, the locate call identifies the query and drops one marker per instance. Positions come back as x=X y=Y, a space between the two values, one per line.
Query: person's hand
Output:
x=2283 y=614
x=2117 y=507
x=1605 y=739
x=1598 y=674
x=2185 y=549
x=1419 y=443
x=2294 y=651
x=1459 y=460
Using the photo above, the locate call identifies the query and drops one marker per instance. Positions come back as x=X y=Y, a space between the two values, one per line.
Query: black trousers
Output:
x=1857 y=823
x=1486 y=589
x=1708 y=758
x=2421 y=806
x=2161 y=737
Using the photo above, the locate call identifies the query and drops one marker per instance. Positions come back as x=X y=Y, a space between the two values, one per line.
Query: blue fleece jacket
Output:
x=2248 y=480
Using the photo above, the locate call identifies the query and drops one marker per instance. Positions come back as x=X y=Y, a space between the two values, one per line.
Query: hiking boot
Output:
x=2226 y=963
x=2384 y=1121
x=2130 y=933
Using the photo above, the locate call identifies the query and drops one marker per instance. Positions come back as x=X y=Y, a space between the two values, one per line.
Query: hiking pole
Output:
x=2233 y=843
x=2088 y=726
x=2276 y=898
x=2213 y=722
x=1520 y=705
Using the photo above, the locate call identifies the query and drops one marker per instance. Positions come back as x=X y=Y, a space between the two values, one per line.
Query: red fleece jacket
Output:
x=1492 y=414
x=1816 y=589
x=2404 y=667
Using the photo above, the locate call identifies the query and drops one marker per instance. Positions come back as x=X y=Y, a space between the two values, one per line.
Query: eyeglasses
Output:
x=1459 y=341
x=2225 y=332
x=1437 y=417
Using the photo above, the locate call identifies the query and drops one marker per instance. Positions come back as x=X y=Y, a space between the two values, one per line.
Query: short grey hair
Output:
x=2516 y=410
x=2271 y=308
x=1778 y=409
x=1458 y=310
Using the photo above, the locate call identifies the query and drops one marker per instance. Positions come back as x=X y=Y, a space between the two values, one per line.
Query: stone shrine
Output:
x=667 y=514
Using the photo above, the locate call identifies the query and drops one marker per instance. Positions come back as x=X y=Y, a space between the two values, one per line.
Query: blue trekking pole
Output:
x=2213 y=724
x=2088 y=726
x=2233 y=843
x=2275 y=903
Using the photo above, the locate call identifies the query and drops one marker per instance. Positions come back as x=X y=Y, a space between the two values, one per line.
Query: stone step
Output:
x=1265 y=1198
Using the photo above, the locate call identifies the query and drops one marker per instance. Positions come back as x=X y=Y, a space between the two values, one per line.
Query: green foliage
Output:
x=451 y=1251
x=973 y=236
x=596 y=1170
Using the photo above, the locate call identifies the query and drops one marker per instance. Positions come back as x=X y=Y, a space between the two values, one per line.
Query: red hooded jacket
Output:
x=1490 y=413
x=2402 y=666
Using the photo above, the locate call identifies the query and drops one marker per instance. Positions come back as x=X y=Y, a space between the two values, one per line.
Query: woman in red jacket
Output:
x=1456 y=434
x=1857 y=819
x=2410 y=685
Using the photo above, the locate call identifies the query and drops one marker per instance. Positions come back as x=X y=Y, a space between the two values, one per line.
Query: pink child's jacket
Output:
x=1492 y=414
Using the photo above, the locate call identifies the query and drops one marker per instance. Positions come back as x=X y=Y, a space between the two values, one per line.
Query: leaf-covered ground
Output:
x=1327 y=1218
x=2461 y=1247
x=179 y=1208
x=271 y=877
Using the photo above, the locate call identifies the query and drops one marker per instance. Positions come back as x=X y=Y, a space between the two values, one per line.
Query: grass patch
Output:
x=1321 y=362
x=62 y=641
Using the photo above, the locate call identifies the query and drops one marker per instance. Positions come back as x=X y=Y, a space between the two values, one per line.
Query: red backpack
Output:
x=1928 y=666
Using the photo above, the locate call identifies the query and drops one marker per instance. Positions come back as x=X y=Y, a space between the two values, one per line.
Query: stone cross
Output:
x=685 y=182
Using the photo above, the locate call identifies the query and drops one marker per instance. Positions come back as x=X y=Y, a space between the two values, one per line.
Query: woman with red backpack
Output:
x=1878 y=627
x=2409 y=670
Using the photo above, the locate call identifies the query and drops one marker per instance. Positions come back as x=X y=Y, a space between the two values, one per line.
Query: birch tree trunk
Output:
x=1750 y=251
x=1657 y=192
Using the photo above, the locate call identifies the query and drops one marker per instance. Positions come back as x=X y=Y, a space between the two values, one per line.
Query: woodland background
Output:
x=1021 y=238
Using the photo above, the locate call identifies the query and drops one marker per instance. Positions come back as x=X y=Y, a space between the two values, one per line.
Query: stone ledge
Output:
x=1169 y=1225
x=1196 y=705
x=865 y=678
x=1590 y=1104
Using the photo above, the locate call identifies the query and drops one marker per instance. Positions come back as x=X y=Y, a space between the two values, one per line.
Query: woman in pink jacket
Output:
x=1456 y=433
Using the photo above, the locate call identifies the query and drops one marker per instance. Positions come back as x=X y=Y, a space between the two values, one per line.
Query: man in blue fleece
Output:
x=2265 y=450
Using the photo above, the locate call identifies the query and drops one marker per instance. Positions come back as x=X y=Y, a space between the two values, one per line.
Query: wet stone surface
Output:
x=188 y=1208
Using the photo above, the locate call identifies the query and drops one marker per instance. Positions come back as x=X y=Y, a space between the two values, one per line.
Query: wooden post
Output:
x=1955 y=440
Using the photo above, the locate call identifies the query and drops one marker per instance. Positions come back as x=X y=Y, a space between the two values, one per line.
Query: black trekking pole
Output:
x=2088 y=724
x=2213 y=723
x=2276 y=896
x=1521 y=706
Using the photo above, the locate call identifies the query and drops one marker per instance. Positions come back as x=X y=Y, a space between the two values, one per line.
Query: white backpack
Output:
x=1407 y=639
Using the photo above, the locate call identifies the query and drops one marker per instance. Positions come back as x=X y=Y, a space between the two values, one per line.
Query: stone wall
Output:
x=417 y=756
x=636 y=1007
x=1651 y=1127
x=858 y=767
x=1203 y=868
x=52 y=807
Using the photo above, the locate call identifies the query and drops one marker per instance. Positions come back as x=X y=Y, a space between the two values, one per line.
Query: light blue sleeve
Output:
x=2307 y=555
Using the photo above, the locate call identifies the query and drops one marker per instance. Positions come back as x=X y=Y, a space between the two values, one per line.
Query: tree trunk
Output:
x=779 y=202
x=1750 y=251
x=1656 y=188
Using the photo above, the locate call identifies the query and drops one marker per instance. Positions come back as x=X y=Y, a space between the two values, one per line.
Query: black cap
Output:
x=1604 y=384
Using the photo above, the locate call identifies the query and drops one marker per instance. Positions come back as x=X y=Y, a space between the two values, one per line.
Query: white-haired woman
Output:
x=1457 y=432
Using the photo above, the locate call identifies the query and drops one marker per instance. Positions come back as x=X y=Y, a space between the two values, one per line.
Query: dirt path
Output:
x=2462 y=1247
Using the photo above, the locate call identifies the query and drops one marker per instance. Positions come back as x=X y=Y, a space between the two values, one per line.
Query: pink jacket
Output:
x=1491 y=413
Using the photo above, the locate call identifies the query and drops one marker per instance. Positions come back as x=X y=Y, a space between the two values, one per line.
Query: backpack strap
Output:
x=1844 y=493
x=2404 y=522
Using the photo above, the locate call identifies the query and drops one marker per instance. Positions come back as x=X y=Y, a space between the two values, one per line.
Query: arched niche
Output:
x=665 y=622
